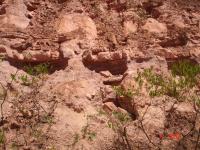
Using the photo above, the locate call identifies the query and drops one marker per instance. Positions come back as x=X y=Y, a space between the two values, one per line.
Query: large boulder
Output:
x=77 y=25
x=75 y=29
x=72 y=31
x=15 y=15
x=68 y=49
x=41 y=54
x=115 y=62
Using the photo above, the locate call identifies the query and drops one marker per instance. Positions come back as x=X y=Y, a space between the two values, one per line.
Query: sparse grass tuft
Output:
x=118 y=120
x=37 y=133
x=2 y=58
x=14 y=146
x=47 y=119
x=122 y=117
x=52 y=148
x=2 y=137
x=42 y=68
x=142 y=13
x=183 y=78
x=76 y=139
x=87 y=133
x=101 y=112
x=187 y=70
x=121 y=92
x=24 y=79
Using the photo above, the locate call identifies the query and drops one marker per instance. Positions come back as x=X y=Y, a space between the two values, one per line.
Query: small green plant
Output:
x=51 y=148
x=139 y=79
x=24 y=79
x=186 y=69
x=91 y=135
x=153 y=78
x=76 y=139
x=2 y=58
x=122 y=117
x=42 y=68
x=142 y=13
x=118 y=120
x=86 y=133
x=158 y=85
x=171 y=88
x=37 y=133
x=183 y=78
x=198 y=102
x=2 y=137
x=196 y=99
x=13 y=77
x=101 y=112
x=15 y=146
x=47 y=119
x=121 y=92
x=155 y=82
x=2 y=92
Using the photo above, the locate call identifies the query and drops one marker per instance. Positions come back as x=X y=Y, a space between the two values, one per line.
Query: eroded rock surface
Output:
x=69 y=74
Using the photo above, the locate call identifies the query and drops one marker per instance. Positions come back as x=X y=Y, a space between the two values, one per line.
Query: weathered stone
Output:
x=130 y=27
x=154 y=26
x=15 y=15
x=111 y=97
x=128 y=83
x=154 y=119
x=31 y=5
x=14 y=54
x=178 y=22
x=185 y=109
x=27 y=148
x=40 y=56
x=113 y=80
x=195 y=52
x=105 y=74
x=127 y=104
x=109 y=107
x=103 y=56
x=167 y=53
x=123 y=111
x=81 y=24
x=68 y=48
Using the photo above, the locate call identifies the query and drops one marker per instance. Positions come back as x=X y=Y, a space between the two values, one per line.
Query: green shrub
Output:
x=186 y=69
x=153 y=78
x=180 y=83
x=183 y=78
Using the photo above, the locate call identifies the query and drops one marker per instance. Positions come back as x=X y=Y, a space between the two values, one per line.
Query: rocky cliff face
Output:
x=69 y=74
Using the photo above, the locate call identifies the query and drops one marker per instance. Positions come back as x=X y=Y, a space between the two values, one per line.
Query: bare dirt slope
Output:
x=74 y=74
